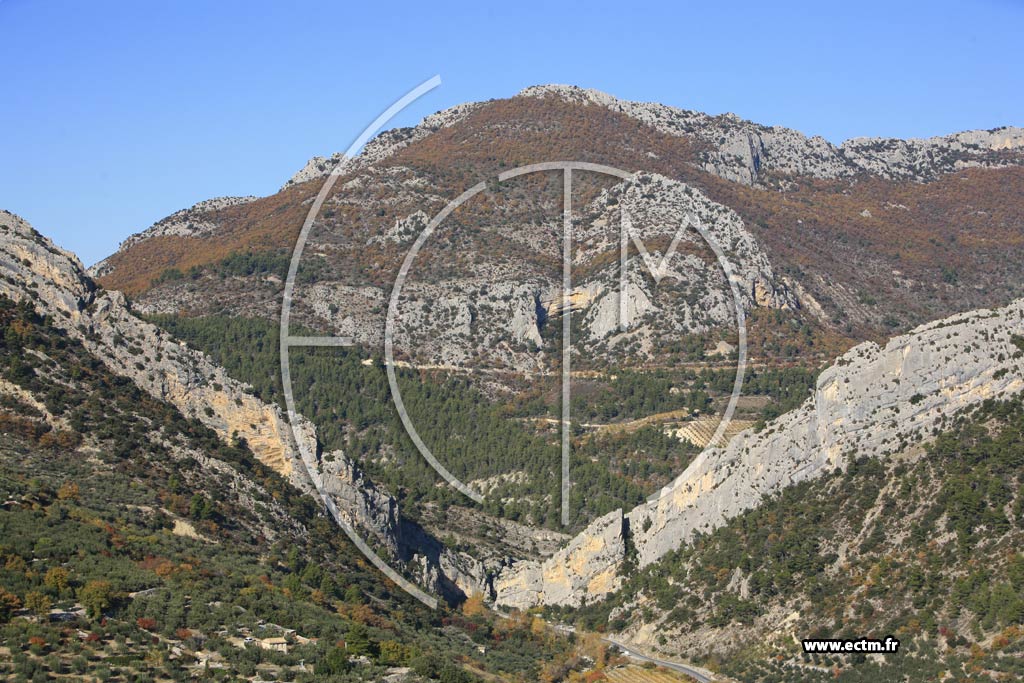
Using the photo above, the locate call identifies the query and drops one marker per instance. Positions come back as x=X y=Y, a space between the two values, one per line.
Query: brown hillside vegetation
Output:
x=877 y=255
x=267 y=224
x=884 y=255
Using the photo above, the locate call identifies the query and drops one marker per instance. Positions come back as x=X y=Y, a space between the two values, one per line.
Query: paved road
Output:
x=700 y=675
x=696 y=674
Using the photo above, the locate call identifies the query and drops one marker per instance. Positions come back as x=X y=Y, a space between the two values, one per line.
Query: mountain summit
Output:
x=870 y=477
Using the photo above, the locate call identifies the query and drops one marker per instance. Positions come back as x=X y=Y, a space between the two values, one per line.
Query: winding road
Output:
x=700 y=675
x=697 y=674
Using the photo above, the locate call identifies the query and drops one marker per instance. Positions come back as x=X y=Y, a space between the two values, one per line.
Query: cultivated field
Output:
x=632 y=673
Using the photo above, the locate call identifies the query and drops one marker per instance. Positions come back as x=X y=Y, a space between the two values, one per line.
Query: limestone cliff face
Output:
x=33 y=268
x=657 y=208
x=924 y=159
x=871 y=402
x=588 y=566
x=742 y=151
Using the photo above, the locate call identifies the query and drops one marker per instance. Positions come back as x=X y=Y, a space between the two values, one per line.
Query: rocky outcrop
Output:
x=390 y=141
x=385 y=144
x=33 y=268
x=873 y=401
x=678 y=285
x=447 y=572
x=742 y=151
x=404 y=230
x=568 y=577
x=317 y=167
x=734 y=149
x=491 y=311
x=925 y=159
x=195 y=221
x=188 y=380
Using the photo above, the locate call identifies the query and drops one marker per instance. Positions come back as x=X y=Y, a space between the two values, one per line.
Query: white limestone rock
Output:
x=740 y=150
x=871 y=402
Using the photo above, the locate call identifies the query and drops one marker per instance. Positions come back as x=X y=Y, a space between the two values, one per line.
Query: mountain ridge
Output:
x=676 y=121
x=34 y=270
x=722 y=127
x=872 y=255
x=933 y=372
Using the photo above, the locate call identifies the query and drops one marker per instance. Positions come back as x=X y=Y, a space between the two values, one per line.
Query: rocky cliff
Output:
x=927 y=158
x=486 y=310
x=872 y=402
x=33 y=268
x=743 y=151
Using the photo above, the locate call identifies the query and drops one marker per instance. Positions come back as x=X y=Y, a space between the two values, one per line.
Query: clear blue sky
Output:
x=115 y=114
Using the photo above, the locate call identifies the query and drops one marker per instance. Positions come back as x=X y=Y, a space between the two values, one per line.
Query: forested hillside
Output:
x=136 y=546
x=924 y=546
x=508 y=444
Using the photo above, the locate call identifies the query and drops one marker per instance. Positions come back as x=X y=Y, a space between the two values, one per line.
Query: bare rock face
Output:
x=925 y=159
x=53 y=280
x=679 y=289
x=741 y=151
x=493 y=311
x=568 y=577
x=871 y=402
x=317 y=167
x=450 y=573
x=365 y=506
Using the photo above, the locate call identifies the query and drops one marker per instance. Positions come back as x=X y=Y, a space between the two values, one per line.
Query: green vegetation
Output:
x=237 y=264
x=928 y=550
x=163 y=548
x=620 y=466
x=632 y=395
x=1018 y=341
x=787 y=387
x=346 y=394
x=472 y=436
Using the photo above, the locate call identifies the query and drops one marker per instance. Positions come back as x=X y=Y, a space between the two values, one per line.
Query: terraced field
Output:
x=632 y=673
x=700 y=431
